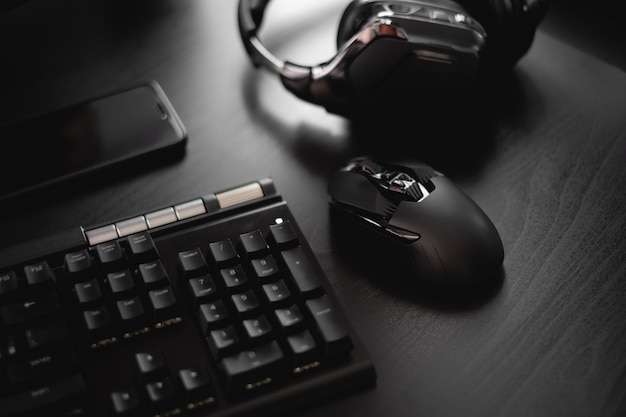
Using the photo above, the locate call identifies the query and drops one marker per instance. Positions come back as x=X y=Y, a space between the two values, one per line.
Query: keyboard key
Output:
x=8 y=283
x=10 y=347
x=302 y=272
x=43 y=396
x=98 y=324
x=276 y=293
x=282 y=235
x=192 y=263
x=211 y=315
x=163 y=303
x=334 y=336
x=46 y=335
x=247 y=303
x=126 y=403
x=290 y=317
x=222 y=341
x=253 y=244
x=197 y=386
x=223 y=252
x=110 y=255
x=161 y=395
x=31 y=309
x=42 y=366
x=161 y=217
x=190 y=209
x=234 y=278
x=87 y=292
x=141 y=247
x=132 y=313
x=39 y=276
x=302 y=348
x=153 y=274
x=265 y=268
x=202 y=289
x=78 y=265
x=150 y=365
x=130 y=226
x=101 y=234
x=252 y=367
x=257 y=328
x=120 y=282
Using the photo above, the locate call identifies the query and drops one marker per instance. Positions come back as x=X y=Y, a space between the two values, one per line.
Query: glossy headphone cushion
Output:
x=510 y=27
x=507 y=36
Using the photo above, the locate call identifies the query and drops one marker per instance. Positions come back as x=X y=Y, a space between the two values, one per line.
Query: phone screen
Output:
x=86 y=137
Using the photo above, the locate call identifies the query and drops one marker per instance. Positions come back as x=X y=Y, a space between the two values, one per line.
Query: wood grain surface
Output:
x=544 y=156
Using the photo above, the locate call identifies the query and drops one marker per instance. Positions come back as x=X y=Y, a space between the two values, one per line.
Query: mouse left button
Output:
x=354 y=191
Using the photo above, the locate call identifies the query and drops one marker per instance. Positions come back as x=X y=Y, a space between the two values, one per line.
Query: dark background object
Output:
x=545 y=162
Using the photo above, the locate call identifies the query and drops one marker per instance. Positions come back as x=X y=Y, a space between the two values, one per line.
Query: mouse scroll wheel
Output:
x=415 y=192
x=406 y=185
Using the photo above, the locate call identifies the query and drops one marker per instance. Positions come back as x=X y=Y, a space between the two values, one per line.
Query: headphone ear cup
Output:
x=510 y=27
x=502 y=20
x=527 y=16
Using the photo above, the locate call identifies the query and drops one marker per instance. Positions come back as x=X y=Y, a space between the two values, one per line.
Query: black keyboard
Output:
x=215 y=307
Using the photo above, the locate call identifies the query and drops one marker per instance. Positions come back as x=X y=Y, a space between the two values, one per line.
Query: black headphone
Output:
x=405 y=56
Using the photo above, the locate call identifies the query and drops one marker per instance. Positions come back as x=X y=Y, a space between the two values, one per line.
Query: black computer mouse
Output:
x=418 y=220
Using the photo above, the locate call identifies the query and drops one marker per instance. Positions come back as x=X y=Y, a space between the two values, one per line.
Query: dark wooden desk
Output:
x=546 y=162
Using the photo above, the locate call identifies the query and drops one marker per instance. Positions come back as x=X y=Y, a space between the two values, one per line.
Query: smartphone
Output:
x=133 y=127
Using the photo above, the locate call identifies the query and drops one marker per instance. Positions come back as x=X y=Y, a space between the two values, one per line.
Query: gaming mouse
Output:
x=418 y=220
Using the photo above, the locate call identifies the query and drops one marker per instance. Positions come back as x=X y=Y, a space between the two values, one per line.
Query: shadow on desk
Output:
x=458 y=141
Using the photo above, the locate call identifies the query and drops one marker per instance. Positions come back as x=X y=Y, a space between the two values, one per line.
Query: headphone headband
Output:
x=250 y=15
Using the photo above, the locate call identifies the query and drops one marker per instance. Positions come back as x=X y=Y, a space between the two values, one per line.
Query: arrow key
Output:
x=162 y=395
x=125 y=403
x=150 y=365
x=197 y=386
